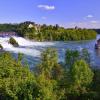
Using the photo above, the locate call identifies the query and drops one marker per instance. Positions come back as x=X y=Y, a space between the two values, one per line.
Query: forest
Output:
x=45 y=32
x=74 y=79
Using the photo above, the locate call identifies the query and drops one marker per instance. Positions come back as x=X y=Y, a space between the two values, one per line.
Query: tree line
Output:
x=72 y=80
x=48 y=32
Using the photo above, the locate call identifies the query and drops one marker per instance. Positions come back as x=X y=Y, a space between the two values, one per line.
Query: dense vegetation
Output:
x=48 y=33
x=50 y=80
x=8 y=27
x=13 y=42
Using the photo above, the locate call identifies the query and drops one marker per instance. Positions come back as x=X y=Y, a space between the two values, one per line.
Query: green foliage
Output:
x=8 y=27
x=26 y=31
x=71 y=56
x=96 y=84
x=47 y=82
x=13 y=42
x=16 y=81
x=81 y=75
x=85 y=55
x=48 y=33
x=49 y=59
x=61 y=34
x=80 y=79
x=50 y=80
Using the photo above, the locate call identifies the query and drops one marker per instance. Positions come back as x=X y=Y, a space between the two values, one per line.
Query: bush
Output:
x=13 y=42
x=16 y=81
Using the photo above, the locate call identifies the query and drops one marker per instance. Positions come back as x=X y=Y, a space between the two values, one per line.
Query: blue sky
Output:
x=68 y=13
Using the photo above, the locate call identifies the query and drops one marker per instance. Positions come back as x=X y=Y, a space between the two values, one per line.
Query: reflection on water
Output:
x=32 y=50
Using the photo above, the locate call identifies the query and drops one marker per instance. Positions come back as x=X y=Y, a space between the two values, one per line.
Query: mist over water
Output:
x=32 y=49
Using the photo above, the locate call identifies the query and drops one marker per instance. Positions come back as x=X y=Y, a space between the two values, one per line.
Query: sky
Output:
x=67 y=13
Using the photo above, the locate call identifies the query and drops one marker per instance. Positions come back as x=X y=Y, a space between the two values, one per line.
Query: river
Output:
x=32 y=49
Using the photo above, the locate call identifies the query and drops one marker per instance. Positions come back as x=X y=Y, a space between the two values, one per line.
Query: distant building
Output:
x=36 y=26
x=30 y=26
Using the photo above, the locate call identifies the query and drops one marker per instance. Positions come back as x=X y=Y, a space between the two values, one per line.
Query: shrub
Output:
x=13 y=42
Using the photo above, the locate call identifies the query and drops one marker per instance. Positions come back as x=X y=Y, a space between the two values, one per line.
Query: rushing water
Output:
x=32 y=50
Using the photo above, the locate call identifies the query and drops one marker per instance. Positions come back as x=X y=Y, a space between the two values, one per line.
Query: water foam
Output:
x=26 y=46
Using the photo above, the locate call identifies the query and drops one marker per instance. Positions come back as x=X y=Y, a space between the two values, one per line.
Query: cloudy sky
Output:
x=68 y=13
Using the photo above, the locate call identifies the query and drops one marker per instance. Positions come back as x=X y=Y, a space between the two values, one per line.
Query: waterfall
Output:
x=26 y=46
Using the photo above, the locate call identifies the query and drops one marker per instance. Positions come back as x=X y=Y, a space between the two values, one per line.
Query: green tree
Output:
x=85 y=55
x=48 y=83
x=81 y=76
x=16 y=81
x=70 y=57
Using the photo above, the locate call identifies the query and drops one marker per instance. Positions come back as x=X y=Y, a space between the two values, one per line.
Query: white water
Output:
x=26 y=47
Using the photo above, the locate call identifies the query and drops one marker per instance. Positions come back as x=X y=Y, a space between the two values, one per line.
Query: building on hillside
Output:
x=30 y=26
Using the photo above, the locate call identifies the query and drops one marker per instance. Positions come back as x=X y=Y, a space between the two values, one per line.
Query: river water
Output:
x=32 y=49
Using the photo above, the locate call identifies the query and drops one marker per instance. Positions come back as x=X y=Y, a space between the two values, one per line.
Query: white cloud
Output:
x=89 y=16
x=46 y=7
